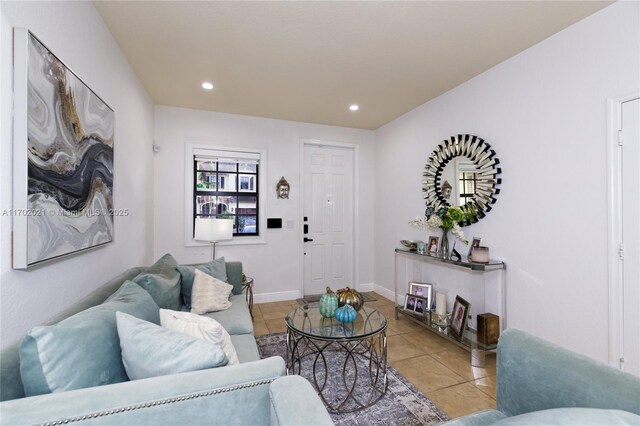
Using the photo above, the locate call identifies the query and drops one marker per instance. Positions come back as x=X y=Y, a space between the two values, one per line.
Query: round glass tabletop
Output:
x=307 y=320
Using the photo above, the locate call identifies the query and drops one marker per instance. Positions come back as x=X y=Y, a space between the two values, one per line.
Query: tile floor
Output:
x=438 y=368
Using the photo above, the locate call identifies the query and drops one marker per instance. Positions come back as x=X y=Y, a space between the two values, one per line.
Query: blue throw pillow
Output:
x=162 y=281
x=83 y=350
x=149 y=350
x=216 y=268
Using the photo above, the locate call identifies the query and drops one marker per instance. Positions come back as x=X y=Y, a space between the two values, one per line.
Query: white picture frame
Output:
x=424 y=290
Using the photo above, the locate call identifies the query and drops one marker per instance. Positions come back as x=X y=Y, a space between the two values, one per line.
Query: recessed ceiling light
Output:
x=207 y=85
x=354 y=107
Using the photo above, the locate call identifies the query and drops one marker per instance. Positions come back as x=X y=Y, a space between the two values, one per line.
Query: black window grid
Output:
x=237 y=194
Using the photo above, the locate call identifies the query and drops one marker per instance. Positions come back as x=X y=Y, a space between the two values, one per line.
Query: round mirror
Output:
x=462 y=171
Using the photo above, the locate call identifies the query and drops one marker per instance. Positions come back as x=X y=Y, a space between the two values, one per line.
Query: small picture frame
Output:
x=459 y=317
x=432 y=244
x=415 y=304
x=421 y=306
x=474 y=243
x=423 y=290
x=410 y=302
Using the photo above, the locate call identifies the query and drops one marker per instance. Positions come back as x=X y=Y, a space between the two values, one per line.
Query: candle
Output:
x=480 y=254
x=441 y=304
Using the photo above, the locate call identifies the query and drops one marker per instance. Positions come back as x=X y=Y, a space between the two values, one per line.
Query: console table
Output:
x=469 y=340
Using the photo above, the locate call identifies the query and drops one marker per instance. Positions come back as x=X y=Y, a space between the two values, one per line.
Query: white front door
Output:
x=631 y=236
x=329 y=209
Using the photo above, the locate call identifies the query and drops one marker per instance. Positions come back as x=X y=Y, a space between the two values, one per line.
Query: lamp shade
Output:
x=211 y=229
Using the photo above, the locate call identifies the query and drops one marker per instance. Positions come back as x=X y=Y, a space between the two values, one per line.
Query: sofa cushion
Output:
x=234 y=276
x=201 y=328
x=573 y=417
x=162 y=281
x=216 y=268
x=209 y=294
x=236 y=319
x=246 y=347
x=149 y=350
x=83 y=350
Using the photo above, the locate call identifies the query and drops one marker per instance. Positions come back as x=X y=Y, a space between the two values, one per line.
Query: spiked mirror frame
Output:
x=486 y=162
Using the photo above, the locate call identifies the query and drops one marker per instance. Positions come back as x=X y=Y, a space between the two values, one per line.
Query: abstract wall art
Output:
x=63 y=158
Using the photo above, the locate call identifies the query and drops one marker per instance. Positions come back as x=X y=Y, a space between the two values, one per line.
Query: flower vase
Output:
x=443 y=252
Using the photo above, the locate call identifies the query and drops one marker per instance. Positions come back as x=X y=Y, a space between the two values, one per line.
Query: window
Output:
x=467 y=186
x=226 y=186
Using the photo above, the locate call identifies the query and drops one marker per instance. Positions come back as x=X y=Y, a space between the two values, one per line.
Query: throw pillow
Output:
x=83 y=350
x=209 y=294
x=200 y=327
x=216 y=268
x=149 y=350
x=162 y=281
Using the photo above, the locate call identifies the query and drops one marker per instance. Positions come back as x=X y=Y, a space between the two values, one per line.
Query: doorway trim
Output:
x=356 y=205
x=614 y=224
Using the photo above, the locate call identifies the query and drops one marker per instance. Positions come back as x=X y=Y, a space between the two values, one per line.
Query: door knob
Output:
x=307 y=239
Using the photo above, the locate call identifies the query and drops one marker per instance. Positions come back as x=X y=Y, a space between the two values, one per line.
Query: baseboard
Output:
x=276 y=297
x=385 y=292
x=293 y=295
x=366 y=287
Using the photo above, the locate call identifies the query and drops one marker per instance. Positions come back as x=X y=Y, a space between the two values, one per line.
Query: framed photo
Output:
x=432 y=244
x=410 y=302
x=459 y=317
x=421 y=305
x=423 y=290
x=474 y=243
x=63 y=158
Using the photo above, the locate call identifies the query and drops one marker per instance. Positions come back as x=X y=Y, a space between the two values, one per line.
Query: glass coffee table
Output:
x=346 y=362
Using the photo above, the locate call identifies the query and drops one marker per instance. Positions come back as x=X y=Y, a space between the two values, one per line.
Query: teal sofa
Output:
x=539 y=383
x=254 y=392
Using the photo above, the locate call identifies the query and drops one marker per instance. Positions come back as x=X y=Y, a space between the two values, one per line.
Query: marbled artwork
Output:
x=70 y=160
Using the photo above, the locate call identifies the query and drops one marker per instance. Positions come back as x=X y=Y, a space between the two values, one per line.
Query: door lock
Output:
x=306 y=240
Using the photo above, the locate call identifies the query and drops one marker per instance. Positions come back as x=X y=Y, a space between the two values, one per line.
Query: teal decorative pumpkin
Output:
x=328 y=304
x=346 y=314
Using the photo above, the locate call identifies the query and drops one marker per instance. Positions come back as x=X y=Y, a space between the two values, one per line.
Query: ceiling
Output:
x=308 y=61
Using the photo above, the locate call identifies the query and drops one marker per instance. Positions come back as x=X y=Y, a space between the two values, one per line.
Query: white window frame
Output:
x=191 y=148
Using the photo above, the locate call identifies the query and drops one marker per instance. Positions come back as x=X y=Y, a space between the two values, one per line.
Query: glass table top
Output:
x=307 y=320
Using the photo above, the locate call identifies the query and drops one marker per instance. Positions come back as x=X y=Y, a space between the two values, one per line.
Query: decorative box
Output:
x=488 y=328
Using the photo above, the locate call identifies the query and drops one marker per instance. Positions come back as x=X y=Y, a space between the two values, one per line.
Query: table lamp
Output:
x=213 y=230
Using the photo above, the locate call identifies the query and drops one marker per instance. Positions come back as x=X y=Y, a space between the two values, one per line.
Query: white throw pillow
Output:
x=204 y=328
x=209 y=294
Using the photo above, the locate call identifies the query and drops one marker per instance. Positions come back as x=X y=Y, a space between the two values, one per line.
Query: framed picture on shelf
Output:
x=409 y=302
x=459 y=317
x=423 y=290
x=421 y=305
x=432 y=245
x=474 y=243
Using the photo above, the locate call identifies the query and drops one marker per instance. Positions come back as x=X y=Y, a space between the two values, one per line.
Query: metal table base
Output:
x=362 y=380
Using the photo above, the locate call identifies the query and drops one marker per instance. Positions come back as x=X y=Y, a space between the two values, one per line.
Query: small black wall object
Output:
x=273 y=222
x=455 y=255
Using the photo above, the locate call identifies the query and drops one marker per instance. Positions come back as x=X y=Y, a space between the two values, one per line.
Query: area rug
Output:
x=402 y=405
x=314 y=298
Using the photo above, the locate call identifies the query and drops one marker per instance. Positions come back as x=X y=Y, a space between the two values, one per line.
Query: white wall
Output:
x=276 y=266
x=76 y=34
x=544 y=112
